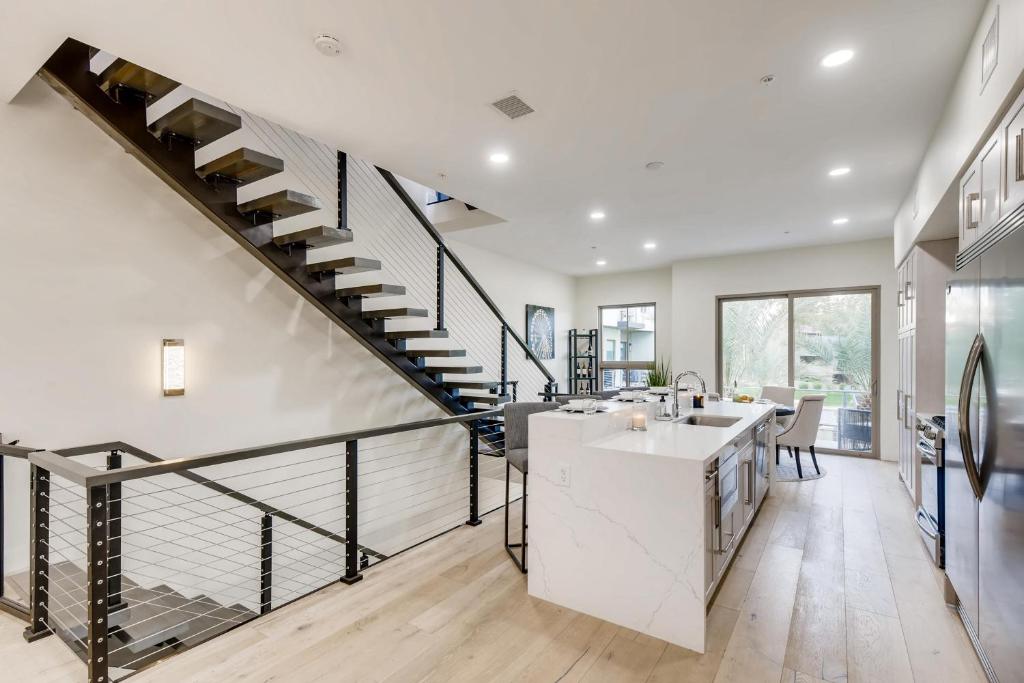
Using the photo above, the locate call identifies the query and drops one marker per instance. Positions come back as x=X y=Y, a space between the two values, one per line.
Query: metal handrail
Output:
x=84 y=475
x=432 y=231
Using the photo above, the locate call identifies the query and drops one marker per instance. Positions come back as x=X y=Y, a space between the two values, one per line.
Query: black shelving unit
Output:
x=583 y=362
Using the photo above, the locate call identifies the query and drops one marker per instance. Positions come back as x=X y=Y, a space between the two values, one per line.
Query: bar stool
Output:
x=517 y=423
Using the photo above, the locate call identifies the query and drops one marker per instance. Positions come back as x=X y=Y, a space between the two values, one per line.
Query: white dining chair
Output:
x=783 y=396
x=802 y=431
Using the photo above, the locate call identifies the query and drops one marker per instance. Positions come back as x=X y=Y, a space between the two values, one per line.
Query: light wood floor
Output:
x=832 y=584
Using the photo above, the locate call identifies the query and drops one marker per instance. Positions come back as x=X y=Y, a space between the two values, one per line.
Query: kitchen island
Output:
x=637 y=527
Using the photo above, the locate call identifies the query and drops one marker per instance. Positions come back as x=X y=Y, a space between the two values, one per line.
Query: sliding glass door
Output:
x=819 y=342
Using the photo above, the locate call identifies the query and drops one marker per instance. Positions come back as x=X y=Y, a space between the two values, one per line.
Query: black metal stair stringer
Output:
x=67 y=71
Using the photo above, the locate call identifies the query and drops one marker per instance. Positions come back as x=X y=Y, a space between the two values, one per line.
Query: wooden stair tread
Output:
x=416 y=334
x=453 y=369
x=490 y=399
x=349 y=264
x=404 y=312
x=242 y=166
x=198 y=121
x=470 y=384
x=320 y=236
x=123 y=74
x=436 y=353
x=371 y=291
x=282 y=204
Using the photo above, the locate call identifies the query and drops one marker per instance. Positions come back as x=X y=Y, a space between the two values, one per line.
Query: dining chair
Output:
x=783 y=396
x=802 y=431
x=517 y=424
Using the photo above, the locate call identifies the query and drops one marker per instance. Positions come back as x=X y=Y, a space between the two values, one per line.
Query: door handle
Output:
x=899 y=405
x=964 y=413
x=906 y=411
x=928 y=530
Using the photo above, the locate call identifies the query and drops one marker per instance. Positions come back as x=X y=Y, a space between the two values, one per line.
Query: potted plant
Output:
x=659 y=375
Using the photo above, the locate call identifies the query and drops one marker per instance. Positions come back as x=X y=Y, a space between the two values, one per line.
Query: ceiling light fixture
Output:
x=836 y=172
x=600 y=262
x=499 y=158
x=597 y=215
x=650 y=245
x=837 y=58
x=327 y=45
x=840 y=221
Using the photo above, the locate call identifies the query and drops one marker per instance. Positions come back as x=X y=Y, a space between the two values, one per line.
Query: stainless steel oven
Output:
x=931 y=513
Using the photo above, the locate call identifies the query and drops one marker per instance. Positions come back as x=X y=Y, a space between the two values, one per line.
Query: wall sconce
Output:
x=173 y=360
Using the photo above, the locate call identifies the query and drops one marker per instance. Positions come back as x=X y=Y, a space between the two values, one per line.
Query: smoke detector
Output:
x=327 y=45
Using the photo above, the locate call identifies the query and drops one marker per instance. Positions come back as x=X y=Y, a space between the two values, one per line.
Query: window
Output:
x=819 y=342
x=627 y=334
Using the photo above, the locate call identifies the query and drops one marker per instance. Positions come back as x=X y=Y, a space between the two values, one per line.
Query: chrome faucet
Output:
x=675 y=389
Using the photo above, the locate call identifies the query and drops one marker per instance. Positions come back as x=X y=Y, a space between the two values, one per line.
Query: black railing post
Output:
x=114 y=524
x=97 y=536
x=504 y=359
x=474 y=474
x=266 y=561
x=515 y=390
x=343 y=191
x=351 y=513
x=39 y=562
x=440 y=286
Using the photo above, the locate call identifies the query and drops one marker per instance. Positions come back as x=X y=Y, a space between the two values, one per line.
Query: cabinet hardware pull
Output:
x=908 y=296
x=1020 y=156
x=972 y=220
x=899 y=405
x=899 y=298
x=906 y=410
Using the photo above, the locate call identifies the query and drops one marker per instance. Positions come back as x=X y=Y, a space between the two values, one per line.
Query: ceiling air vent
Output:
x=512 y=107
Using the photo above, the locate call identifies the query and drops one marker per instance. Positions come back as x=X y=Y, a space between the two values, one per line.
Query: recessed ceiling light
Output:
x=600 y=262
x=596 y=215
x=840 y=221
x=654 y=165
x=837 y=58
x=499 y=158
x=842 y=170
x=767 y=78
x=650 y=245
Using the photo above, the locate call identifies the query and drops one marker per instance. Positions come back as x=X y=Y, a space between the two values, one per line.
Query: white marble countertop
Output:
x=695 y=443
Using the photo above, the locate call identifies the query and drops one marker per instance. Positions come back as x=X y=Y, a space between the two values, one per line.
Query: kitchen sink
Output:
x=708 y=420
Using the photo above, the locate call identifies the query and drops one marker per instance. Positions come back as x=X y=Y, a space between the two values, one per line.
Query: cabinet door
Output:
x=900 y=302
x=990 y=165
x=970 y=206
x=1013 y=145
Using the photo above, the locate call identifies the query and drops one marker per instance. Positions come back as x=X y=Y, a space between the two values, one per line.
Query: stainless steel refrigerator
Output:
x=985 y=452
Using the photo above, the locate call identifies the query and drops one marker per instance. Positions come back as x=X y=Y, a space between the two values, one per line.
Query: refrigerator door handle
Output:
x=964 y=413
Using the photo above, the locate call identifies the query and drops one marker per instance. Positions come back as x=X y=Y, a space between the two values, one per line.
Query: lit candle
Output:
x=639 y=421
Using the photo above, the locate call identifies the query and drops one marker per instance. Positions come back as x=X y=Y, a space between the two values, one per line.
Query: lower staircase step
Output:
x=198 y=121
x=240 y=167
x=489 y=399
x=312 y=238
x=416 y=334
x=283 y=204
x=371 y=291
x=470 y=384
x=453 y=369
x=436 y=353
x=389 y=313
x=123 y=75
x=346 y=266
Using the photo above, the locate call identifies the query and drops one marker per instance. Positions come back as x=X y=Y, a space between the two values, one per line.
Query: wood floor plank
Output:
x=679 y=665
x=790 y=529
x=876 y=649
x=624 y=660
x=572 y=652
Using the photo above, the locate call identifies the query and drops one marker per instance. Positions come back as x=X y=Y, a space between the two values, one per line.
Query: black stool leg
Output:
x=814 y=459
x=799 y=471
x=523 y=551
x=520 y=562
x=776 y=454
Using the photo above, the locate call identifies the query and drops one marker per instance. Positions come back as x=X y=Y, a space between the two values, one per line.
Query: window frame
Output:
x=626 y=365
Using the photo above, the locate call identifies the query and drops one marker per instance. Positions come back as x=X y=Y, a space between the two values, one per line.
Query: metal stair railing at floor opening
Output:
x=134 y=558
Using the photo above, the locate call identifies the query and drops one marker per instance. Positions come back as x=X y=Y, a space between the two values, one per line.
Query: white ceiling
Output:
x=615 y=85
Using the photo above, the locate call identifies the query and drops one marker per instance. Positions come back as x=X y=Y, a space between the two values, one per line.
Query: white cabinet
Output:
x=921 y=314
x=1012 y=140
x=970 y=205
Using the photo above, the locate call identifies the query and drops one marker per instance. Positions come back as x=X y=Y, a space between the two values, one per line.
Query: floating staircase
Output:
x=117 y=100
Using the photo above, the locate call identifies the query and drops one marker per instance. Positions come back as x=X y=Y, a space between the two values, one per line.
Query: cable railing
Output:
x=133 y=558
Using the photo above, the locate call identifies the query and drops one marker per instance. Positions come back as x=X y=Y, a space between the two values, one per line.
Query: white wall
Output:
x=968 y=116
x=637 y=287
x=695 y=284
x=513 y=284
